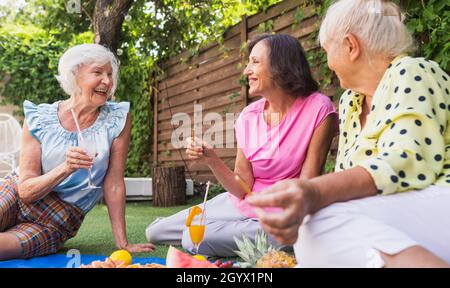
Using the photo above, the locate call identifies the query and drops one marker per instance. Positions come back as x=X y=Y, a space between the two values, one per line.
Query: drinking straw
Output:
x=204 y=201
x=78 y=126
x=243 y=184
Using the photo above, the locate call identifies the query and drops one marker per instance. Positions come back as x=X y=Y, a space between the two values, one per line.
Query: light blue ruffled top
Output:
x=44 y=125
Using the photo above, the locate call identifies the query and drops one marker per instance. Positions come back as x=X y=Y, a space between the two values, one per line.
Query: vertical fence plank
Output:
x=155 y=124
x=244 y=38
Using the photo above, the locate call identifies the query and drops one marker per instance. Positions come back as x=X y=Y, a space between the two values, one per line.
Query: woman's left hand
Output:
x=136 y=248
x=296 y=198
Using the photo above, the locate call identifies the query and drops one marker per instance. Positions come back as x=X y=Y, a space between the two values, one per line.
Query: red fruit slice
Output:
x=177 y=259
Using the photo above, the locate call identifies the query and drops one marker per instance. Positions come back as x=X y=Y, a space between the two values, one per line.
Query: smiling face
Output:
x=258 y=70
x=96 y=82
x=335 y=60
x=341 y=59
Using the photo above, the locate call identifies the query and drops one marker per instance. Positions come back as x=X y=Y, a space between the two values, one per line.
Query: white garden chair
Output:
x=10 y=134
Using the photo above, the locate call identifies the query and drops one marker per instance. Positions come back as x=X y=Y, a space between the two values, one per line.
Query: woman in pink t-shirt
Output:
x=286 y=134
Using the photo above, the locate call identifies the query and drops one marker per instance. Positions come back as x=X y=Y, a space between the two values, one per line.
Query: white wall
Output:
x=141 y=188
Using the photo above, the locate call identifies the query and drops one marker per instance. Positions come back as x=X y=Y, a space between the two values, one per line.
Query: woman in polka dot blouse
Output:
x=394 y=137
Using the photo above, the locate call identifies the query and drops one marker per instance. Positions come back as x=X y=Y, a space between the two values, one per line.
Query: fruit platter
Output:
x=257 y=254
x=175 y=259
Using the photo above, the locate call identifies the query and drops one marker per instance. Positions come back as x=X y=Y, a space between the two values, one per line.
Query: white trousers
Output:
x=346 y=234
x=223 y=223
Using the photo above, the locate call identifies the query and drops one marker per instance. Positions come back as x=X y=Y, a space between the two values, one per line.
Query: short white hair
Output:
x=377 y=23
x=83 y=54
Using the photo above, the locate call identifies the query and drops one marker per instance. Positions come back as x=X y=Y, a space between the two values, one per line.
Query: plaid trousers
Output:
x=41 y=227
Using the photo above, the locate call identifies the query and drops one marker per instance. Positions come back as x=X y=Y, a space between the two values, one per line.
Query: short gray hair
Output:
x=377 y=23
x=79 y=55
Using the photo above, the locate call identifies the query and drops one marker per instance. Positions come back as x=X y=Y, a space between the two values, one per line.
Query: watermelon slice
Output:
x=178 y=259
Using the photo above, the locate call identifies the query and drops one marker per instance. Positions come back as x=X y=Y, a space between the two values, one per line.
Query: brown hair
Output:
x=288 y=65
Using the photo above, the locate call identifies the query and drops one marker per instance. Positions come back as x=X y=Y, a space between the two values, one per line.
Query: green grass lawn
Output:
x=95 y=235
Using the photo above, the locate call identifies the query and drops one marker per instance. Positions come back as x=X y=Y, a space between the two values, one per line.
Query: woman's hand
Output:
x=200 y=151
x=136 y=248
x=77 y=158
x=296 y=198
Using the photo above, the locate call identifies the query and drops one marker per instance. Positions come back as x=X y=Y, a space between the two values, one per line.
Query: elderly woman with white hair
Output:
x=394 y=137
x=43 y=204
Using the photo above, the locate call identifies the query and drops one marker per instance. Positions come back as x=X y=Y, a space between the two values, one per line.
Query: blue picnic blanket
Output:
x=63 y=261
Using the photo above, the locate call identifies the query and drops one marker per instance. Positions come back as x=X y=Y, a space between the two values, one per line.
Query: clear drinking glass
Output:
x=197 y=231
x=87 y=142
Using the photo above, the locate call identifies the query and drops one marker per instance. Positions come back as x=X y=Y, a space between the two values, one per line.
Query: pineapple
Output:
x=261 y=254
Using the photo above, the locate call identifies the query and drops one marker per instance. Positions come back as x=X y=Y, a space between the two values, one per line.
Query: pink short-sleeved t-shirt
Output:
x=278 y=152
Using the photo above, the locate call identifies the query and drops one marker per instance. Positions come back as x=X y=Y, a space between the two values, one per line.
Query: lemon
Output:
x=122 y=255
x=200 y=257
x=194 y=211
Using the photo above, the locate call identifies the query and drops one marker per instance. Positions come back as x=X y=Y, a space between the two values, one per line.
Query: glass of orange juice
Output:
x=197 y=231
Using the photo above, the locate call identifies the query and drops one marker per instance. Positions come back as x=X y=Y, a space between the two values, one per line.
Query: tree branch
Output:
x=108 y=20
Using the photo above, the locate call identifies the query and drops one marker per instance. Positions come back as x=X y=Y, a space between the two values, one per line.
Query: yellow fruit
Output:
x=194 y=211
x=122 y=255
x=200 y=257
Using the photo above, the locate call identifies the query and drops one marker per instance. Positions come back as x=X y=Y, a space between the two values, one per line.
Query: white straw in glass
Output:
x=204 y=201
x=78 y=126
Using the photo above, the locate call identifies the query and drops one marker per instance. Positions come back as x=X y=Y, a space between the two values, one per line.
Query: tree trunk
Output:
x=108 y=19
x=169 y=186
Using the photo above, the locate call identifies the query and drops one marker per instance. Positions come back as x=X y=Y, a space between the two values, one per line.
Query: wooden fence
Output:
x=212 y=79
